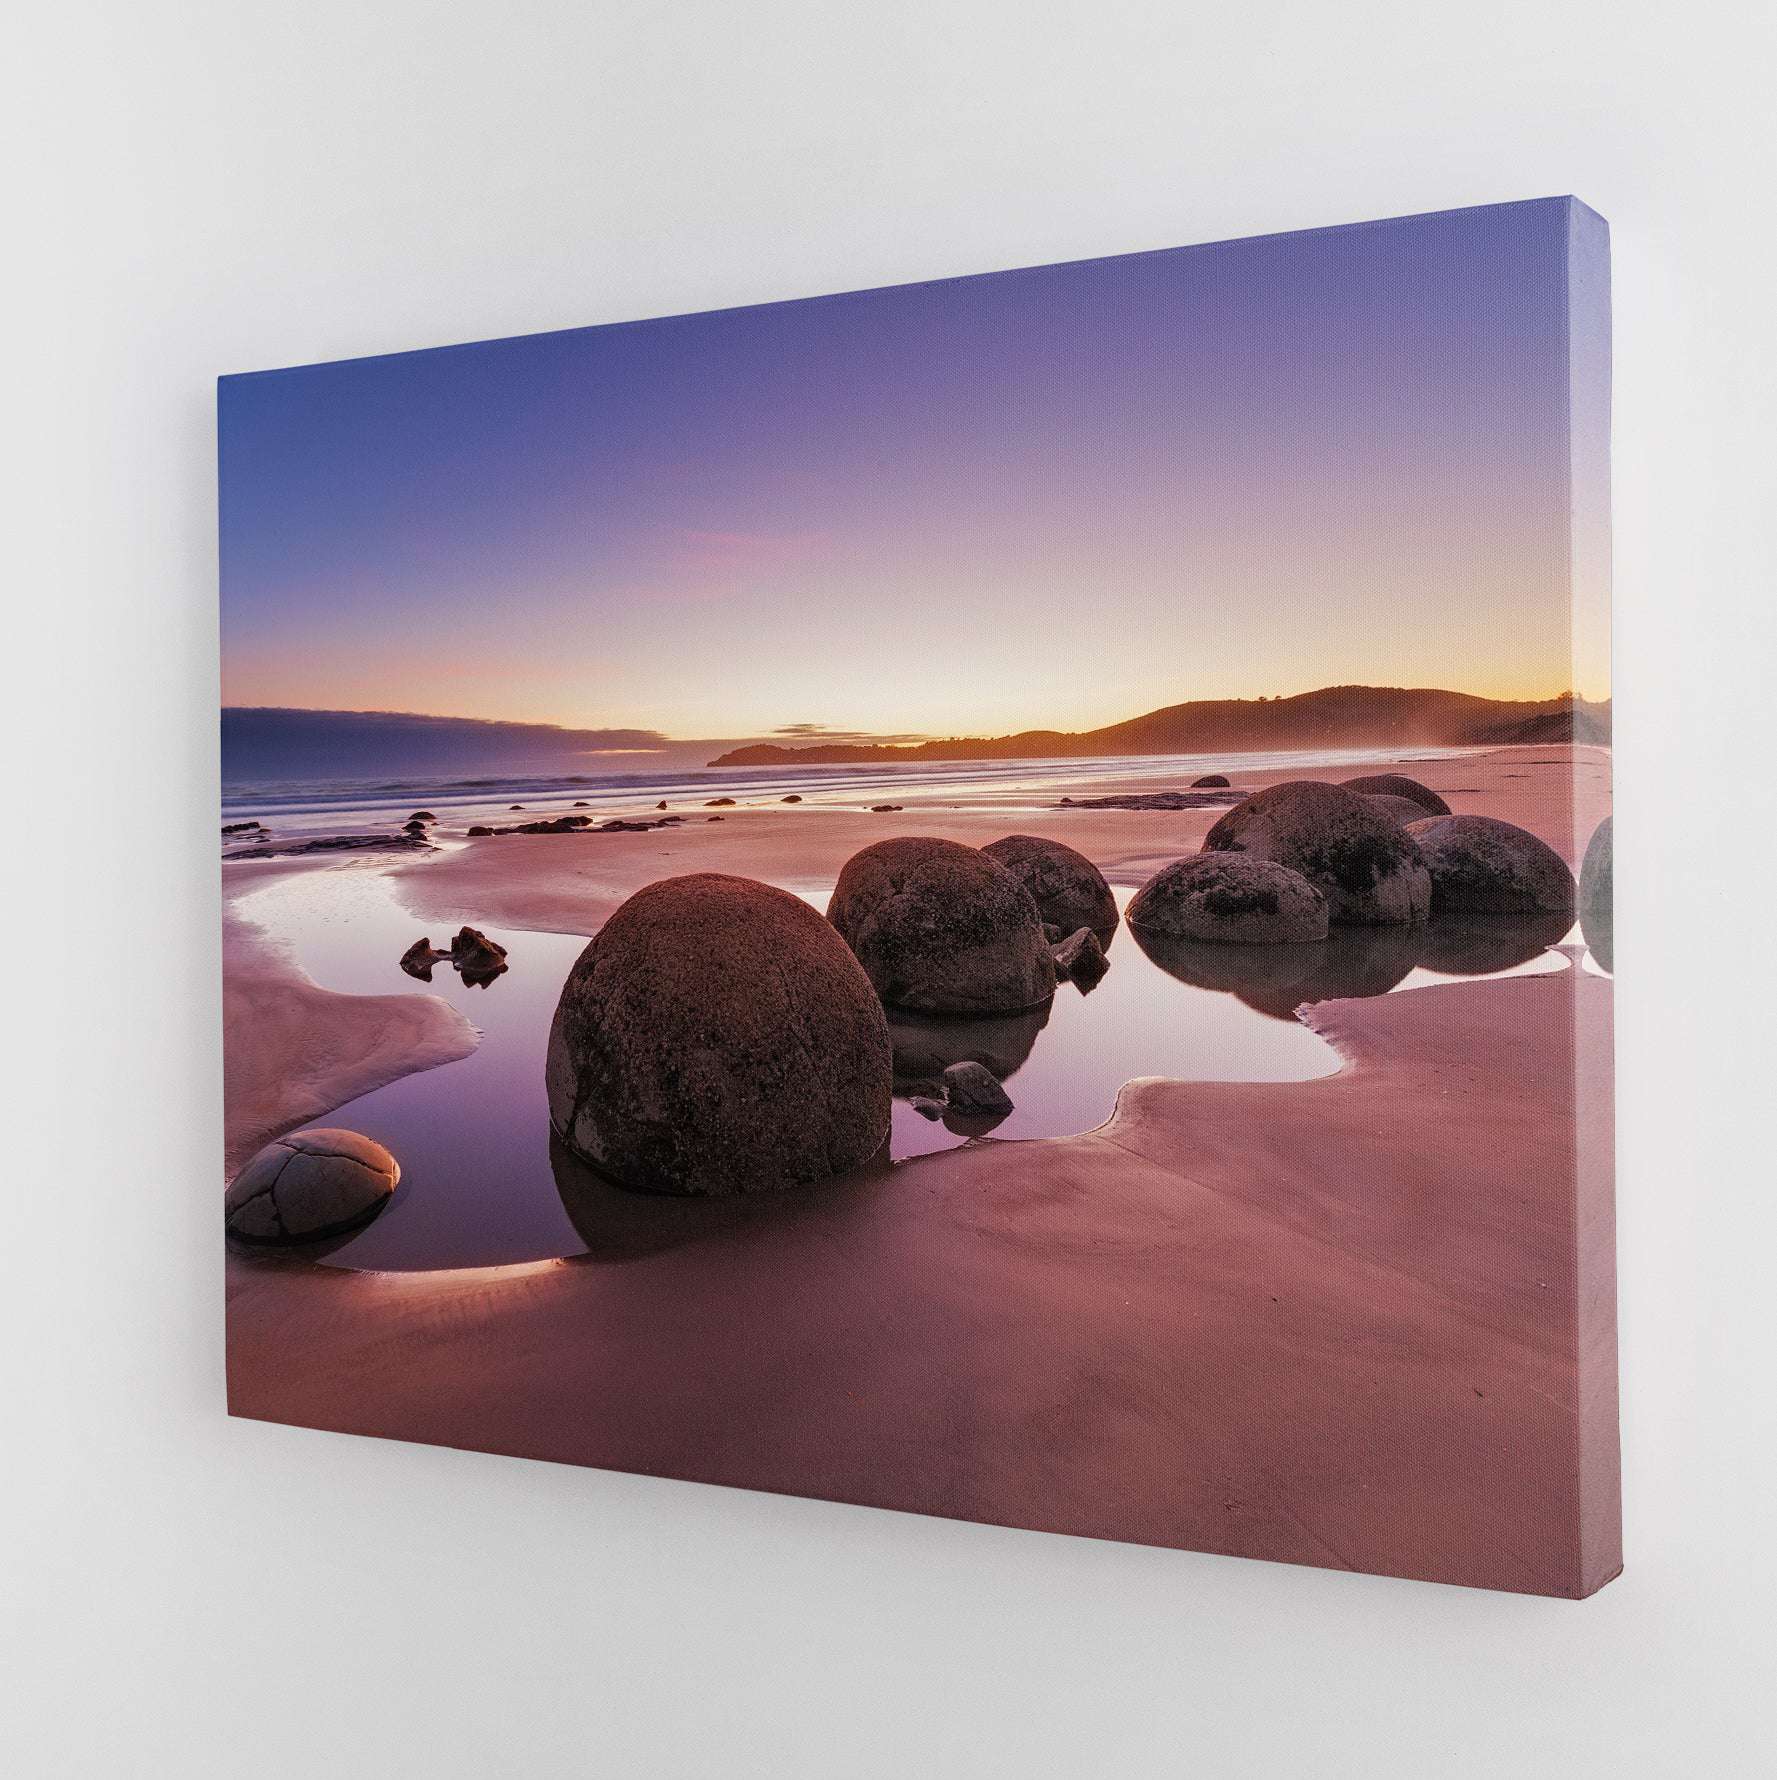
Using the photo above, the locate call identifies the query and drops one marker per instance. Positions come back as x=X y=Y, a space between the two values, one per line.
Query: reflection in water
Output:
x=926 y=1045
x=482 y=1182
x=1353 y=963
x=619 y=1224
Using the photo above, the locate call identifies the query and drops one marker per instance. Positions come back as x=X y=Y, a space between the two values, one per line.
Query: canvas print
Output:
x=989 y=898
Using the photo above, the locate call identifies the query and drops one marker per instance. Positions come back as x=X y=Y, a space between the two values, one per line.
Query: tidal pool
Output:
x=483 y=1184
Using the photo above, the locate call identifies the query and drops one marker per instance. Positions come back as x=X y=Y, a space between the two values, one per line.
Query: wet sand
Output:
x=1334 y=1322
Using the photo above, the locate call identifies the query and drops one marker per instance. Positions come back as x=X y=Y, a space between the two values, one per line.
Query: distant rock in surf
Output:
x=1210 y=782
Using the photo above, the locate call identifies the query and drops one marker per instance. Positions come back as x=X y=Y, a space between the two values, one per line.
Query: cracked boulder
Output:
x=942 y=928
x=717 y=1037
x=1482 y=866
x=1364 y=863
x=310 y=1185
x=1068 y=889
x=1229 y=899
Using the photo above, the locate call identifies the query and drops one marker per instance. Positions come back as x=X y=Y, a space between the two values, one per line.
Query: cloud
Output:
x=821 y=732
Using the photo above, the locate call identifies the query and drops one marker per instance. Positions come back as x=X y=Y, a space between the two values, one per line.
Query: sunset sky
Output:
x=1051 y=498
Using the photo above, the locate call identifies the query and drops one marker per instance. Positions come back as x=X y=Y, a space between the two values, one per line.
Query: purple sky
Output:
x=1048 y=498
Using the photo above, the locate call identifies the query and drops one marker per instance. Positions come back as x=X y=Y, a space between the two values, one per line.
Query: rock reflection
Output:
x=926 y=1045
x=619 y=1224
x=1354 y=963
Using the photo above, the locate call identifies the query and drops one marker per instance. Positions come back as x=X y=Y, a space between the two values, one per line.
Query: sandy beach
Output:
x=1336 y=1322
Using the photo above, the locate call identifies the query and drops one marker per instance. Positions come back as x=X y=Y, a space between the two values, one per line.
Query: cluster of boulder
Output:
x=476 y=958
x=719 y=1037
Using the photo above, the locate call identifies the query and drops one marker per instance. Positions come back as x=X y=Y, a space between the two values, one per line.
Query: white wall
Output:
x=217 y=187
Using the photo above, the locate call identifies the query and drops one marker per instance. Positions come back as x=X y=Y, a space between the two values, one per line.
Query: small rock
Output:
x=712 y=803
x=515 y=806
x=422 y=816
x=1081 y=960
x=309 y=1185
x=419 y=958
x=661 y=805
x=472 y=951
x=241 y=827
x=580 y=803
x=478 y=828
x=794 y=797
x=1210 y=782
x=884 y=809
x=715 y=818
x=971 y=1088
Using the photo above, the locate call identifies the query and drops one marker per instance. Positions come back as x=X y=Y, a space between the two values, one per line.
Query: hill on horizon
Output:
x=1332 y=717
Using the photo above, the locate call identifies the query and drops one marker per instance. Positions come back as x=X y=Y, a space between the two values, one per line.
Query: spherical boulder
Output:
x=1366 y=865
x=1211 y=782
x=309 y=1185
x=1397 y=809
x=1480 y=865
x=1227 y=899
x=717 y=1037
x=1068 y=889
x=1597 y=923
x=1399 y=785
x=942 y=928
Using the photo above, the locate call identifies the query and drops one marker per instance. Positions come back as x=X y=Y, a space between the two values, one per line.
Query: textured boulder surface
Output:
x=1366 y=865
x=1226 y=898
x=942 y=928
x=1397 y=809
x=309 y=1185
x=717 y=1037
x=1596 y=919
x=1399 y=785
x=969 y=1087
x=1068 y=889
x=1480 y=865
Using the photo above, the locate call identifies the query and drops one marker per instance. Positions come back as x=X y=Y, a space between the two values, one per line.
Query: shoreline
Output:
x=1229 y=1319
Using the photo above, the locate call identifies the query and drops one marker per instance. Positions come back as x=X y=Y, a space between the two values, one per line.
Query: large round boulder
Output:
x=1399 y=785
x=1068 y=889
x=942 y=928
x=1597 y=921
x=717 y=1037
x=309 y=1185
x=1226 y=898
x=1482 y=866
x=1397 y=809
x=1365 y=864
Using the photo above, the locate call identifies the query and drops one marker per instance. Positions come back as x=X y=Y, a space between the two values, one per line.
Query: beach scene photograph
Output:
x=989 y=898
